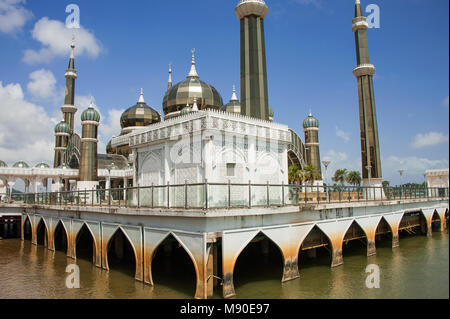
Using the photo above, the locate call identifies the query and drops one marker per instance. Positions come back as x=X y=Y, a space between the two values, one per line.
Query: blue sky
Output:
x=126 y=45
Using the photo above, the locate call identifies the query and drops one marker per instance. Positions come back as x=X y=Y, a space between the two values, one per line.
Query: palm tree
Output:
x=310 y=174
x=340 y=176
x=353 y=178
x=293 y=174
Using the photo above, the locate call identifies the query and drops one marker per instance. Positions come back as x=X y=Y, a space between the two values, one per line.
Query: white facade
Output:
x=209 y=145
x=437 y=178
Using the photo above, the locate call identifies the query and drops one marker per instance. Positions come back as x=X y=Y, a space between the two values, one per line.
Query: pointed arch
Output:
x=42 y=232
x=316 y=238
x=436 y=222
x=61 y=237
x=129 y=242
x=355 y=233
x=253 y=261
x=82 y=235
x=161 y=263
x=27 y=228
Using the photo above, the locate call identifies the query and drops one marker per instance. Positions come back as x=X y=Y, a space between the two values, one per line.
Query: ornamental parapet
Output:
x=66 y=108
x=251 y=7
x=364 y=69
x=360 y=23
x=95 y=123
x=71 y=74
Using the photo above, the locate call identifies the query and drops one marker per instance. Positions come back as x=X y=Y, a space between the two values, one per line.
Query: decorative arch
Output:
x=60 y=226
x=42 y=223
x=108 y=243
x=91 y=234
x=157 y=246
x=313 y=229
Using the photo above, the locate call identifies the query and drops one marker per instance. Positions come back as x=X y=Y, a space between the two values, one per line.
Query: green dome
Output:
x=139 y=115
x=3 y=164
x=311 y=121
x=42 y=165
x=62 y=127
x=186 y=91
x=63 y=166
x=21 y=165
x=90 y=115
x=186 y=110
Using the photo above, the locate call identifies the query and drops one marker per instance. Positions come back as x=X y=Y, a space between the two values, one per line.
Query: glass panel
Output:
x=217 y=196
x=196 y=196
x=239 y=195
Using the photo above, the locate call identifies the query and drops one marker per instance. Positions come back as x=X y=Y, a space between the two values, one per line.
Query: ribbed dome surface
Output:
x=311 y=121
x=90 y=115
x=62 y=127
x=21 y=164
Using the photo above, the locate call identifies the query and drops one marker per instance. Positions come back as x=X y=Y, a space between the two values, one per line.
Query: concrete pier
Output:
x=199 y=232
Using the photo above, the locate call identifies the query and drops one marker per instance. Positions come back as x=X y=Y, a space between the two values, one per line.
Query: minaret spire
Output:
x=141 y=98
x=234 y=96
x=69 y=108
x=170 y=77
x=364 y=72
x=193 y=72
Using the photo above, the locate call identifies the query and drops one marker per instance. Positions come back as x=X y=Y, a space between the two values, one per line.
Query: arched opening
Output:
x=85 y=246
x=74 y=163
x=293 y=160
x=260 y=260
x=121 y=254
x=41 y=234
x=60 y=238
x=27 y=231
x=173 y=267
x=413 y=224
x=435 y=222
x=316 y=250
x=383 y=234
x=355 y=241
x=446 y=218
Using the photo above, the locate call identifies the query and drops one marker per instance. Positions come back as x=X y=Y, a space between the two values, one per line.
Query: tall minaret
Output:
x=254 y=96
x=370 y=147
x=169 y=86
x=90 y=120
x=69 y=108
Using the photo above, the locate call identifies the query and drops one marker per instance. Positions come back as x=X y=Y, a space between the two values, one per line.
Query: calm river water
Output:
x=418 y=269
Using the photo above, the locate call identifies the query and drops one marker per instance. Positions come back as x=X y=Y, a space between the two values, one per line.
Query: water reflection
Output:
x=419 y=268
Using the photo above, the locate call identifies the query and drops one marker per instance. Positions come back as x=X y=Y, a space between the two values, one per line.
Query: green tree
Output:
x=353 y=178
x=386 y=184
x=340 y=176
x=295 y=175
x=310 y=174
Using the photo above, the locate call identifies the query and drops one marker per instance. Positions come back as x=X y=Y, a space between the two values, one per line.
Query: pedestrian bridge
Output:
x=212 y=240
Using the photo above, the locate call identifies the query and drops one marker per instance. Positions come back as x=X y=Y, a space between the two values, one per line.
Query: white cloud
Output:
x=13 y=16
x=445 y=102
x=413 y=166
x=429 y=139
x=26 y=131
x=56 y=39
x=43 y=85
x=345 y=136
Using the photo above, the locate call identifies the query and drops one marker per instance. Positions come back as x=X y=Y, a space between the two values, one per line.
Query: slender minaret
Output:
x=370 y=147
x=254 y=96
x=169 y=86
x=90 y=120
x=311 y=129
x=69 y=108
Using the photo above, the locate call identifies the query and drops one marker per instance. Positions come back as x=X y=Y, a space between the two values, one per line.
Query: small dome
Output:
x=113 y=167
x=90 y=114
x=62 y=127
x=191 y=88
x=3 y=164
x=234 y=106
x=186 y=110
x=21 y=165
x=139 y=115
x=42 y=165
x=311 y=121
x=63 y=166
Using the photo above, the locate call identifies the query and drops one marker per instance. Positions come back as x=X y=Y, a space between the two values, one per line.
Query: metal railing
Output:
x=225 y=196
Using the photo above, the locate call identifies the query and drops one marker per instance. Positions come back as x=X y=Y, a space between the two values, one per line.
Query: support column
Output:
x=394 y=222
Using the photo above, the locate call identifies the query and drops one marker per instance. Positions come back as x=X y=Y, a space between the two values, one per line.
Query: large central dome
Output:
x=184 y=93
x=139 y=115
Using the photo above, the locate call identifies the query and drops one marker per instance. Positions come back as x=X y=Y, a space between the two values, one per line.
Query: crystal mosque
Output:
x=198 y=137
